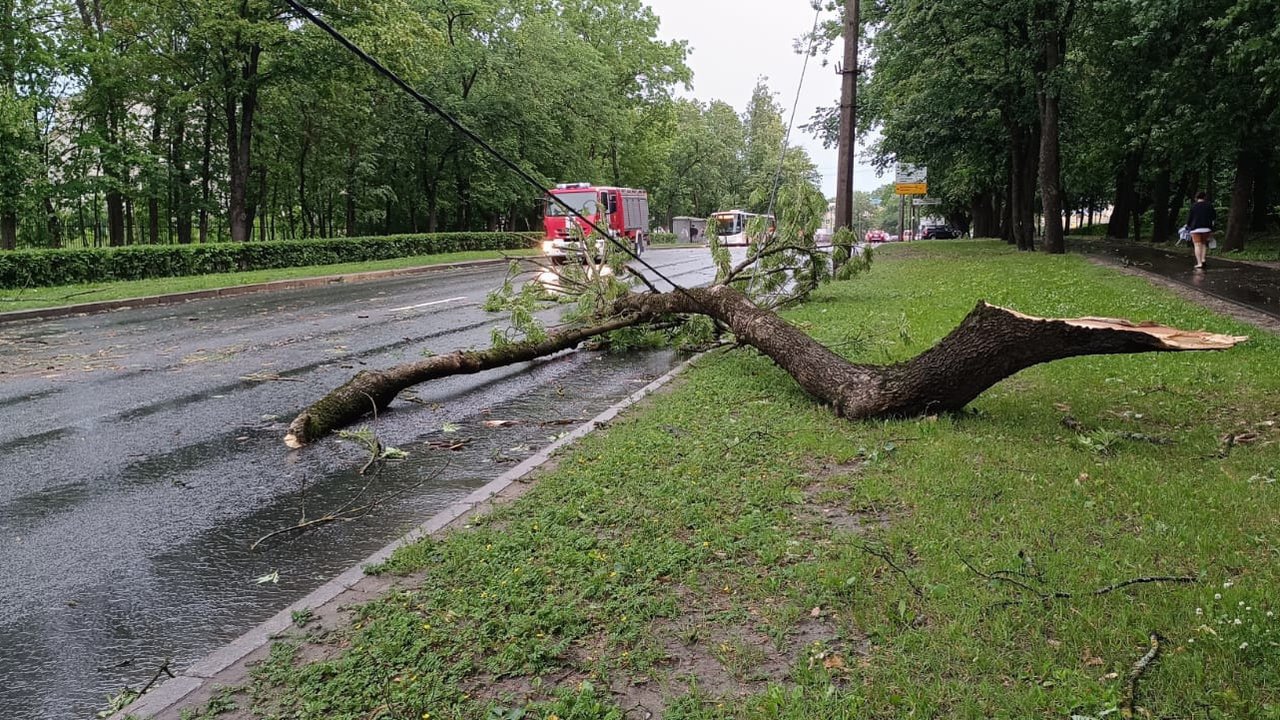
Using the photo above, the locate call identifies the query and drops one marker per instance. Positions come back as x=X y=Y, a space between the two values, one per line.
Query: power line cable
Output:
x=786 y=139
x=473 y=137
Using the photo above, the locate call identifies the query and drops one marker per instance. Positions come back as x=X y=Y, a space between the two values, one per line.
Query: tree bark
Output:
x=1241 y=194
x=1006 y=211
x=1262 y=191
x=350 y=199
x=206 y=178
x=991 y=344
x=8 y=230
x=158 y=111
x=1178 y=201
x=241 y=104
x=182 y=177
x=1021 y=196
x=1125 y=200
x=1050 y=139
x=1027 y=152
x=1161 y=228
x=985 y=213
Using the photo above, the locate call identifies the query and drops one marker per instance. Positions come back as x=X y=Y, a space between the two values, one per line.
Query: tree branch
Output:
x=352 y=401
x=991 y=344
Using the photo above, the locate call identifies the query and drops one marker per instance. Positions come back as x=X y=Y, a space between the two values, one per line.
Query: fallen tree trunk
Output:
x=991 y=344
x=373 y=390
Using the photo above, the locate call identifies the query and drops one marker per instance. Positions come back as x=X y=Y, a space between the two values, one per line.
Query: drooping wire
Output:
x=473 y=137
x=786 y=139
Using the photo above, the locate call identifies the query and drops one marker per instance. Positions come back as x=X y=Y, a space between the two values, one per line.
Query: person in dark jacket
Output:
x=1200 y=223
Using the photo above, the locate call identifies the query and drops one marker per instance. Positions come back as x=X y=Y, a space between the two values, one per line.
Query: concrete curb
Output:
x=228 y=661
x=92 y=308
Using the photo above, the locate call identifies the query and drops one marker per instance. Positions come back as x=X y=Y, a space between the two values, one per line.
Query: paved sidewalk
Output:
x=1256 y=287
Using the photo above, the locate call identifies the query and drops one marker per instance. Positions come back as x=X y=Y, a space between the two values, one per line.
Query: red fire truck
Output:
x=623 y=212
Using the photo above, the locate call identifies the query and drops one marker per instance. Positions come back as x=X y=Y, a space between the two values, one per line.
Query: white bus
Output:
x=731 y=226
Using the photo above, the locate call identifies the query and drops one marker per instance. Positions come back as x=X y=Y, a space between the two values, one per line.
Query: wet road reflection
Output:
x=143 y=457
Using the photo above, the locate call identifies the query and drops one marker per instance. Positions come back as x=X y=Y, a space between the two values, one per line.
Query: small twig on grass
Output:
x=78 y=294
x=749 y=436
x=1004 y=576
x=1131 y=689
x=1141 y=580
x=888 y=560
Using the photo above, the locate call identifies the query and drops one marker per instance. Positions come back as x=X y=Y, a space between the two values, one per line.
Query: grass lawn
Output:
x=732 y=550
x=72 y=294
x=1258 y=247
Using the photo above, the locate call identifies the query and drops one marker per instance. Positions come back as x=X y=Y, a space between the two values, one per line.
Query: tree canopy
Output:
x=1057 y=107
x=166 y=121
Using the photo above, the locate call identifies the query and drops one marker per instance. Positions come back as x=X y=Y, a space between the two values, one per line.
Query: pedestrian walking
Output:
x=1200 y=221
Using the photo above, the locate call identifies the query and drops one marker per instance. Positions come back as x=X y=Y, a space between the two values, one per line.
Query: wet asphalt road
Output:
x=141 y=456
x=1253 y=286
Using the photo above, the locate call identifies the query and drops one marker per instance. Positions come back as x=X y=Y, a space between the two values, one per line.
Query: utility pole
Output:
x=848 y=117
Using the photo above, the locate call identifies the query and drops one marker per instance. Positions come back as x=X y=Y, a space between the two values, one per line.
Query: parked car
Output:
x=876 y=236
x=940 y=232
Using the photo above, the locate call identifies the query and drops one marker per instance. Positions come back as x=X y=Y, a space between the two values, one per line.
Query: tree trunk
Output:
x=350 y=199
x=1241 y=193
x=182 y=176
x=1161 y=228
x=1050 y=139
x=240 y=107
x=1211 y=182
x=1261 y=191
x=256 y=203
x=1125 y=200
x=983 y=211
x=8 y=230
x=302 y=181
x=115 y=218
x=53 y=222
x=1006 y=212
x=1017 y=185
x=1178 y=201
x=205 y=173
x=1025 y=156
x=158 y=110
x=128 y=221
x=989 y=345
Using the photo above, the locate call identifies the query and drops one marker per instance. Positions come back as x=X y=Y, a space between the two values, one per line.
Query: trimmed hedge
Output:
x=44 y=268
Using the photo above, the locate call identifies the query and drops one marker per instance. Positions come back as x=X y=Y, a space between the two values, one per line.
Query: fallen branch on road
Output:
x=991 y=344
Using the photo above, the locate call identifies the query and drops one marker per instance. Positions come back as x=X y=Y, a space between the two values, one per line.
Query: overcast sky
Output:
x=735 y=42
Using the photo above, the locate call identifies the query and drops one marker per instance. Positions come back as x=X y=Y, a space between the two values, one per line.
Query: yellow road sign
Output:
x=912 y=188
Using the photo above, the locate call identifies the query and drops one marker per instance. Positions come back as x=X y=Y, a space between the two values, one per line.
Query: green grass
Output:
x=96 y=292
x=1264 y=247
x=734 y=550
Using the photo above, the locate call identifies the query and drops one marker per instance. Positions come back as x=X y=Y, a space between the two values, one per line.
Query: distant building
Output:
x=689 y=229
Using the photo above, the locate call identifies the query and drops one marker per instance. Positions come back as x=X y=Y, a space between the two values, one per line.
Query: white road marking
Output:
x=427 y=304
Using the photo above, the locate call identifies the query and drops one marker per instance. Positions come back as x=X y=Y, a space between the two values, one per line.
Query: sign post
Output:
x=909 y=181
